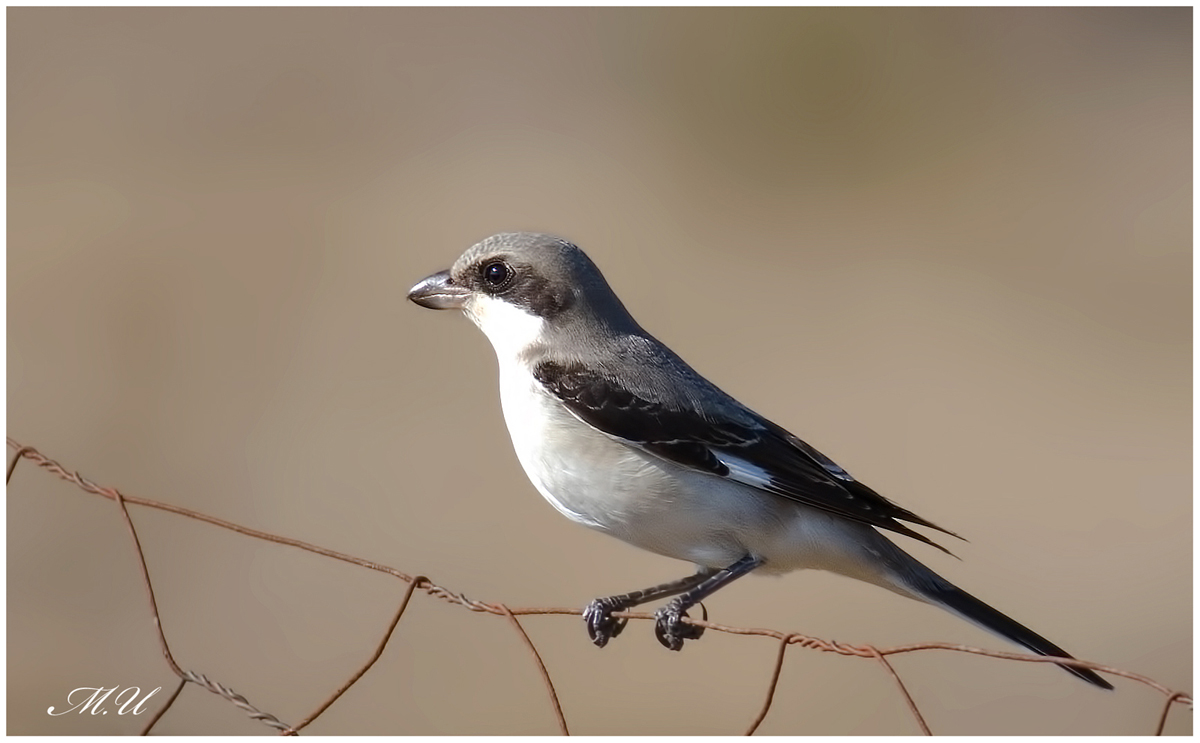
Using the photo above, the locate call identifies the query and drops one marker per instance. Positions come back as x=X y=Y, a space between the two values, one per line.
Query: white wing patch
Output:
x=744 y=472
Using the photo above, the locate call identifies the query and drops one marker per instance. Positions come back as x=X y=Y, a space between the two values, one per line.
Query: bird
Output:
x=621 y=435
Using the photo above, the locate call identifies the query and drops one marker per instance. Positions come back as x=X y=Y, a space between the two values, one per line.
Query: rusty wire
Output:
x=1172 y=697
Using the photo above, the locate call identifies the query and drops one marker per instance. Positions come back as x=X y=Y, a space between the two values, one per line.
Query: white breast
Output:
x=581 y=472
x=561 y=456
x=617 y=488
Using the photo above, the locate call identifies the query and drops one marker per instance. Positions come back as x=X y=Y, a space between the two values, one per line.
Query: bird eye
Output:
x=497 y=274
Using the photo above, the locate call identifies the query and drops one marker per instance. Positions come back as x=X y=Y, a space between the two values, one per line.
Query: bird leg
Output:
x=669 y=627
x=602 y=627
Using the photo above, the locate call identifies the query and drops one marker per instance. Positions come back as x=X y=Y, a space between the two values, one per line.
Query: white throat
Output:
x=510 y=329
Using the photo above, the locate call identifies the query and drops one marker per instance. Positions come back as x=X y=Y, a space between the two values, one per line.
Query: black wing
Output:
x=742 y=446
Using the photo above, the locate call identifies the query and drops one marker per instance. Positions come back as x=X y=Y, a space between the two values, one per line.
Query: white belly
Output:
x=665 y=508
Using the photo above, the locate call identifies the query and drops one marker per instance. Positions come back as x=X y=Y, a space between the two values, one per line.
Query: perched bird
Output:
x=619 y=434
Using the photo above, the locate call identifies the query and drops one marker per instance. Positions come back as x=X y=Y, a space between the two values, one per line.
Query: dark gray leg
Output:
x=598 y=614
x=669 y=627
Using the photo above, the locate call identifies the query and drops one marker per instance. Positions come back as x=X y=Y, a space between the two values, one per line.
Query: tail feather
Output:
x=908 y=576
x=968 y=607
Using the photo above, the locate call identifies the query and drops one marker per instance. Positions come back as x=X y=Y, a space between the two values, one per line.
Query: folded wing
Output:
x=721 y=437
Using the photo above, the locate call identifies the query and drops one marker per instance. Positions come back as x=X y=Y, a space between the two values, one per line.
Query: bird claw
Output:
x=671 y=630
x=601 y=626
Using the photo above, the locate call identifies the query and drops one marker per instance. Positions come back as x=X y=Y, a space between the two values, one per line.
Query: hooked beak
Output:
x=438 y=292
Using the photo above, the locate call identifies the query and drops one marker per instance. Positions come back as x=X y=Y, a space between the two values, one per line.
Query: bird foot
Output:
x=671 y=630
x=601 y=626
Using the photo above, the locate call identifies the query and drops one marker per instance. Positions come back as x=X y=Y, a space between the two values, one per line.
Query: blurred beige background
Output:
x=951 y=248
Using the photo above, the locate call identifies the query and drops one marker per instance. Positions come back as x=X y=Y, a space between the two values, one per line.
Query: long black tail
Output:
x=909 y=576
x=950 y=597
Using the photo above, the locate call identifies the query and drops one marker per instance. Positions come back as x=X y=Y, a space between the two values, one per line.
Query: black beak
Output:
x=438 y=292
